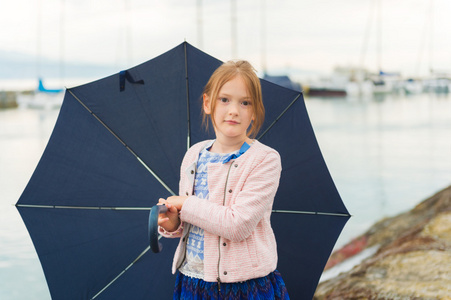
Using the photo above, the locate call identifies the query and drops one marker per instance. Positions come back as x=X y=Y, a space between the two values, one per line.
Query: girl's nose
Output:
x=234 y=108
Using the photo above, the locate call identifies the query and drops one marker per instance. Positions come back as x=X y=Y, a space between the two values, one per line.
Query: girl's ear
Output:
x=206 y=105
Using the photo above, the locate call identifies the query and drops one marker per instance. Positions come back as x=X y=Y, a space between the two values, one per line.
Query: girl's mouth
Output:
x=231 y=122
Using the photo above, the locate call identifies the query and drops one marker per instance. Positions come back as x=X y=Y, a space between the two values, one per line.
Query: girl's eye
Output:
x=246 y=103
x=224 y=100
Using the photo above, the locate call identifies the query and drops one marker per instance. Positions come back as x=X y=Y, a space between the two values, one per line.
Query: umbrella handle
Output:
x=155 y=245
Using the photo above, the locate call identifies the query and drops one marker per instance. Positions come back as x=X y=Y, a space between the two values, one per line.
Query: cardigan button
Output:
x=230 y=191
x=236 y=165
x=187 y=193
x=225 y=272
x=224 y=244
x=192 y=171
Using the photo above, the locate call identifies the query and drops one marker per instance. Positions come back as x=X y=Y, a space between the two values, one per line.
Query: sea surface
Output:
x=386 y=154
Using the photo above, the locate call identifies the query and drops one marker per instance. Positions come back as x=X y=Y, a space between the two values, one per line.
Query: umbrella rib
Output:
x=277 y=119
x=83 y=207
x=125 y=145
x=148 y=208
x=122 y=273
x=310 y=213
x=188 y=139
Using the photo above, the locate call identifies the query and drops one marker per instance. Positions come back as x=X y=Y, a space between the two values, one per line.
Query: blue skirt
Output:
x=268 y=287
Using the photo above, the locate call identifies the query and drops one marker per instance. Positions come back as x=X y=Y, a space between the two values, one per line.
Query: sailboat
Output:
x=43 y=97
x=43 y=89
x=282 y=79
x=438 y=81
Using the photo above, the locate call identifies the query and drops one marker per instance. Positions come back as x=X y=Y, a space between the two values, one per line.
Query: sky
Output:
x=286 y=36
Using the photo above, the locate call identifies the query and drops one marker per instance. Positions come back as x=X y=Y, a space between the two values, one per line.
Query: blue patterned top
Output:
x=193 y=266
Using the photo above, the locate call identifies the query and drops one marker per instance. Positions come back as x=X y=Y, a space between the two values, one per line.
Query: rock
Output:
x=413 y=260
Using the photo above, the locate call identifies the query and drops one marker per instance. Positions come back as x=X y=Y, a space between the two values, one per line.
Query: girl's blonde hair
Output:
x=226 y=72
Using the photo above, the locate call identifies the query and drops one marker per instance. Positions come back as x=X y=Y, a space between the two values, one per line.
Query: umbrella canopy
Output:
x=117 y=147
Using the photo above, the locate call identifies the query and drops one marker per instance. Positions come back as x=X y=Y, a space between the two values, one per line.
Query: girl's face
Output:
x=233 y=111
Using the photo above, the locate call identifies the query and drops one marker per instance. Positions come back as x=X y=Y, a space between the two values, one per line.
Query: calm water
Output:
x=385 y=155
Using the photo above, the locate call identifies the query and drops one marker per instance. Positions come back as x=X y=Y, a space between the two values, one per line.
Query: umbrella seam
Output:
x=148 y=208
x=124 y=144
x=82 y=207
x=145 y=111
x=122 y=273
x=310 y=213
x=277 y=119
x=188 y=140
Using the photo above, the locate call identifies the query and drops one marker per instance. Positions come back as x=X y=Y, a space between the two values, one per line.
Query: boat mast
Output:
x=379 y=36
x=431 y=36
x=62 y=39
x=234 y=28
x=38 y=38
x=263 y=35
x=128 y=34
x=426 y=38
x=199 y=25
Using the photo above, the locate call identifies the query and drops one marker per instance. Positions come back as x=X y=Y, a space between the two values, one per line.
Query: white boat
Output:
x=40 y=100
x=437 y=85
x=412 y=86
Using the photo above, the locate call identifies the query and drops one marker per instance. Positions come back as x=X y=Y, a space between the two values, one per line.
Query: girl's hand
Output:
x=170 y=220
x=177 y=201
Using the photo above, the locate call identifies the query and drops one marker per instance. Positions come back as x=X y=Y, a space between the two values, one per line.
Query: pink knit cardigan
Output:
x=239 y=243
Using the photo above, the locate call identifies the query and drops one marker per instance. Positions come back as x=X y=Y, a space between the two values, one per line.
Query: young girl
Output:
x=227 y=248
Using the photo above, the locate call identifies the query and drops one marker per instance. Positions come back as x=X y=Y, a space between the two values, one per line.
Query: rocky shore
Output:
x=411 y=260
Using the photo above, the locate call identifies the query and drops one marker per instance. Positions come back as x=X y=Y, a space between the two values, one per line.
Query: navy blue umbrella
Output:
x=117 y=147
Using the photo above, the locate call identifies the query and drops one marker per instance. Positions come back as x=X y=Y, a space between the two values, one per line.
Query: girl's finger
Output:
x=172 y=208
x=162 y=220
